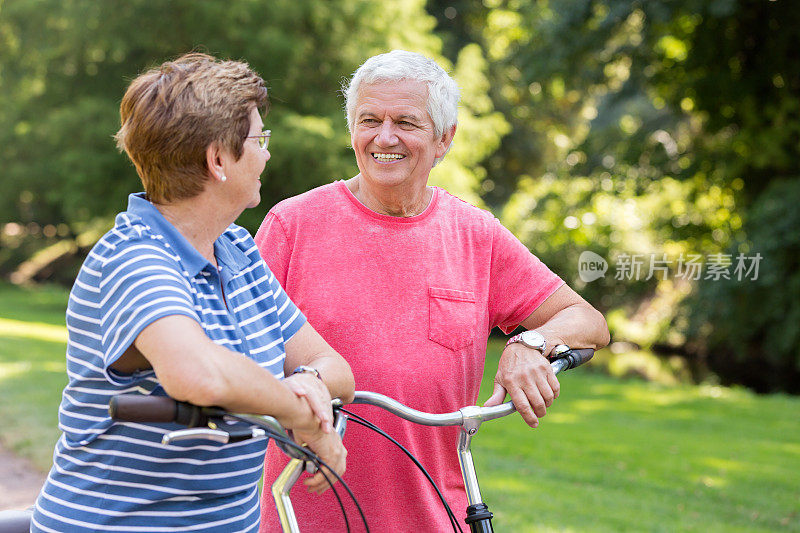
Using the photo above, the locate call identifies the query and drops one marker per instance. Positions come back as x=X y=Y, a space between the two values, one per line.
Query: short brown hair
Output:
x=171 y=114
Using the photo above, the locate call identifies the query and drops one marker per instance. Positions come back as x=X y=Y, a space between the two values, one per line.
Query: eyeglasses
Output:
x=262 y=138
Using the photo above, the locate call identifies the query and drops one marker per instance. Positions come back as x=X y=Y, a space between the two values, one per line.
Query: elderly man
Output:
x=406 y=281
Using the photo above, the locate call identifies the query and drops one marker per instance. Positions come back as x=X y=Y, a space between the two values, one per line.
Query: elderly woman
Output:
x=175 y=300
x=406 y=281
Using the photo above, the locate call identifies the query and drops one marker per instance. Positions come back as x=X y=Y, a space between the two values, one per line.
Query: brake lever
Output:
x=196 y=433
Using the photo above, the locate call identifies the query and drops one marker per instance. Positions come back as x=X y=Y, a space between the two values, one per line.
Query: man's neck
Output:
x=405 y=202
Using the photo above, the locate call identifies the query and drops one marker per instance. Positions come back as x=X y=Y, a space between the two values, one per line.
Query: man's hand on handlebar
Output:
x=323 y=440
x=526 y=375
x=329 y=448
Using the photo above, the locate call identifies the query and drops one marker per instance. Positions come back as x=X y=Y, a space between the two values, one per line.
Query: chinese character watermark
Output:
x=629 y=266
x=690 y=267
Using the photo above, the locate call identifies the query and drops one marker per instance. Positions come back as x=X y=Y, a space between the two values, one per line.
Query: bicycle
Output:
x=222 y=426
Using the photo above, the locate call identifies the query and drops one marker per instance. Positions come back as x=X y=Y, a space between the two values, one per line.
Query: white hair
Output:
x=443 y=91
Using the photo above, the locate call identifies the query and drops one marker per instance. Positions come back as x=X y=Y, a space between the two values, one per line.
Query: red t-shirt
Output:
x=409 y=303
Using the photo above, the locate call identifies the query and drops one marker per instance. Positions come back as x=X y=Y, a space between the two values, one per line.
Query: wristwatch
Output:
x=531 y=339
x=310 y=369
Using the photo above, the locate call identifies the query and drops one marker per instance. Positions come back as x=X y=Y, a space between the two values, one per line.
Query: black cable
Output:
x=366 y=423
x=314 y=458
x=311 y=456
x=335 y=493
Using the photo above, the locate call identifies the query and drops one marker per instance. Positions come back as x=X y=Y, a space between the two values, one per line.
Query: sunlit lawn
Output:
x=32 y=369
x=631 y=456
x=610 y=455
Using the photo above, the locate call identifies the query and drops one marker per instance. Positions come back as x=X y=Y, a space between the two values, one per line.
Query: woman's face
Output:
x=244 y=175
x=393 y=135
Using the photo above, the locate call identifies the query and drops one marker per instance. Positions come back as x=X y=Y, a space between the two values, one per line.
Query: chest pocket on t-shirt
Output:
x=453 y=317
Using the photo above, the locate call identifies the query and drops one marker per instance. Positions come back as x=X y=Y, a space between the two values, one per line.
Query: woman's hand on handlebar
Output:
x=315 y=392
x=526 y=375
x=329 y=448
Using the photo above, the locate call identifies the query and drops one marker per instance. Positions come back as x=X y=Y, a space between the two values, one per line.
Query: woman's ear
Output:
x=214 y=162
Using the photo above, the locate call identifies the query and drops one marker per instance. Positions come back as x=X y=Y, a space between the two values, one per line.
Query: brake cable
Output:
x=314 y=458
x=366 y=423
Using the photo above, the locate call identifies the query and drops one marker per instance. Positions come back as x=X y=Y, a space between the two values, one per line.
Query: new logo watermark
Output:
x=591 y=266
x=635 y=267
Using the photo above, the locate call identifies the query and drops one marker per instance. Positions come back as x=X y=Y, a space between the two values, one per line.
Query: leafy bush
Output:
x=747 y=330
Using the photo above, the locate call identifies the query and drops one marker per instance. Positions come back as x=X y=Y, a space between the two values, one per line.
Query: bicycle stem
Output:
x=280 y=493
x=471 y=421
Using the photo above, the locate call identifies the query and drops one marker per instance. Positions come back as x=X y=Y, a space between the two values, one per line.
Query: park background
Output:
x=661 y=136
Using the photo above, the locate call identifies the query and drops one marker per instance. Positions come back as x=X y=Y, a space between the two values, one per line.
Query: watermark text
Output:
x=637 y=267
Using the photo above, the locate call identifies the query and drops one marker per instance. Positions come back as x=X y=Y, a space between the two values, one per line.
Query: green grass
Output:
x=32 y=369
x=611 y=455
x=617 y=455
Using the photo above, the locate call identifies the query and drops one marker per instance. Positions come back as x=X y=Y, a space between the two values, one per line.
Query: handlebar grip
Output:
x=155 y=409
x=578 y=356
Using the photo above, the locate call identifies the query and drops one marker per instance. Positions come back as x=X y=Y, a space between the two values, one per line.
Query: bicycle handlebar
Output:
x=566 y=361
x=162 y=409
x=157 y=409
x=201 y=422
x=211 y=423
x=575 y=357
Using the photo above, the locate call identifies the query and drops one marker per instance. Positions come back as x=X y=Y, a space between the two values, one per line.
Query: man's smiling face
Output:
x=393 y=134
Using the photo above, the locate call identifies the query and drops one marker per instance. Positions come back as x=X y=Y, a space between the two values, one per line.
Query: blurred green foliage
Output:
x=65 y=65
x=664 y=129
x=757 y=322
x=655 y=129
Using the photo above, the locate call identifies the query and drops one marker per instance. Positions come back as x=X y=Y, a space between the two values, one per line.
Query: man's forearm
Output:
x=308 y=348
x=336 y=374
x=577 y=326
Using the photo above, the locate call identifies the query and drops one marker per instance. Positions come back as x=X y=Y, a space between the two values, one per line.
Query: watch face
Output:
x=533 y=339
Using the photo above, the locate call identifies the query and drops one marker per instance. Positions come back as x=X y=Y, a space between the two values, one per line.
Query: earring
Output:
x=223 y=178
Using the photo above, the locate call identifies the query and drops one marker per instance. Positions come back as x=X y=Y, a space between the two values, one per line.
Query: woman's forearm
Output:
x=194 y=369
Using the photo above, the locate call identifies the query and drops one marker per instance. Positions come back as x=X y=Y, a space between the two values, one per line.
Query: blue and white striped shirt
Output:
x=110 y=476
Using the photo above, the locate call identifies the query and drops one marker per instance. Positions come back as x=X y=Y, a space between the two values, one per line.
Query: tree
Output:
x=748 y=322
x=65 y=65
x=644 y=128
